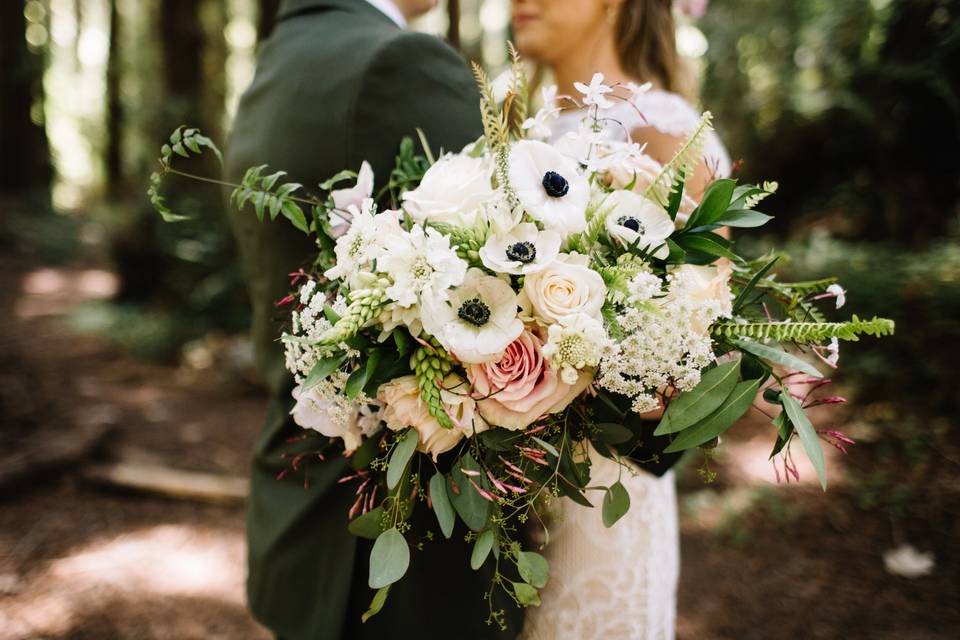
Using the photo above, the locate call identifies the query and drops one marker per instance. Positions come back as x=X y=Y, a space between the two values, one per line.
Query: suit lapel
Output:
x=290 y=8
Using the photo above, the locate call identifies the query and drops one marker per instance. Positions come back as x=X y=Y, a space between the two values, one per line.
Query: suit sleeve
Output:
x=414 y=81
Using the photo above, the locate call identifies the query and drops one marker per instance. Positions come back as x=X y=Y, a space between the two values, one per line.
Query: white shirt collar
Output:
x=390 y=10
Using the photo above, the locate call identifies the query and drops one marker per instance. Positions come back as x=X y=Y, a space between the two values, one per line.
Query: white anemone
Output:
x=525 y=249
x=633 y=219
x=549 y=186
x=478 y=322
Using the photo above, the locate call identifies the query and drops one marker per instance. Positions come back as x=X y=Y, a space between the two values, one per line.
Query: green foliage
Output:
x=268 y=195
x=776 y=356
x=805 y=332
x=693 y=406
x=442 y=506
x=400 y=457
x=616 y=503
x=683 y=162
x=733 y=408
x=481 y=549
x=808 y=435
x=533 y=568
x=183 y=142
x=472 y=508
x=431 y=363
x=389 y=559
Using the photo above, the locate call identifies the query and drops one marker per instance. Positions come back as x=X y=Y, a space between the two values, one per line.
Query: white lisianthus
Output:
x=478 y=322
x=452 y=191
x=564 y=289
x=523 y=250
x=343 y=199
x=633 y=219
x=549 y=186
x=420 y=263
x=575 y=345
x=363 y=241
x=499 y=217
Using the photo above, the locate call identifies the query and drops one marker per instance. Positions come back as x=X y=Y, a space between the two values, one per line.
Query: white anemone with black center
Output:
x=635 y=220
x=478 y=321
x=549 y=186
x=524 y=249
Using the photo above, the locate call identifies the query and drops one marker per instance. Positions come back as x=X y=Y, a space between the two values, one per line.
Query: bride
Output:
x=619 y=582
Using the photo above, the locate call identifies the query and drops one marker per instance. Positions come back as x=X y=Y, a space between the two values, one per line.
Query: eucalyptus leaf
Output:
x=616 y=503
x=402 y=452
x=441 y=504
x=808 y=435
x=472 y=508
x=533 y=568
x=369 y=525
x=546 y=446
x=527 y=595
x=613 y=433
x=481 y=549
x=379 y=599
x=498 y=439
x=777 y=356
x=693 y=406
x=389 y=559
x=720 y=420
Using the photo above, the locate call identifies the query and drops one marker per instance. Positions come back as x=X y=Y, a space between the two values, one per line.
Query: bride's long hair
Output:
x=645 y=39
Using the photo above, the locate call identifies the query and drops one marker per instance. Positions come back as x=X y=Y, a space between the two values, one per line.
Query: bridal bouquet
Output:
x=468 y=334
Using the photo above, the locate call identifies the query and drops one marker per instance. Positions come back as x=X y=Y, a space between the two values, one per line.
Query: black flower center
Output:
x=555 y=184
x=523 y=252
x=474 y=311
x=631 y=223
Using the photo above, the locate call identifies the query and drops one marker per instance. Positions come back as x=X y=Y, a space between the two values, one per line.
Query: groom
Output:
x=339 y=82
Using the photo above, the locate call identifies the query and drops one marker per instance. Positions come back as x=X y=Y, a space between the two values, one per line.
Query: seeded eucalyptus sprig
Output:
x=430 y=362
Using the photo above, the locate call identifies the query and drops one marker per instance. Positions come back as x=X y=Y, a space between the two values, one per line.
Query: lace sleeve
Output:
x=671 y=114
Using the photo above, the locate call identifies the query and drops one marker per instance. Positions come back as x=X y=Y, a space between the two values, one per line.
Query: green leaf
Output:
x=358 y=379
x=708 y=243
x=402 y=452
x=389 y=559
x=441 y=504
x=322 y=369
x=499 y=439
x=332 y=316
x=292 y=212
x=481 y=549
x=742 y=296
x=714 y=204
x=777 y=356
x=676 y=195
x=472 y=508
x=719 y=421
x=784 y=431
x=379 y=599
x=546 y=446
x=744 y=219
x=613 y=433
x=616 y=503
x=533 y=568
x=346 y=174
x=369 y=525
x=693 y=406
x=527 y=595
x=808 y=435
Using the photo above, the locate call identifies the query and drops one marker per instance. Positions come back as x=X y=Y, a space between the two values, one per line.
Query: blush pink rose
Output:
x=520 y=387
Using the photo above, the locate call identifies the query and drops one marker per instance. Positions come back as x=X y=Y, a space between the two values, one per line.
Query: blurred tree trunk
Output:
x=453 y=23
x=268 y=18
x=114 y=163
x=25 y=157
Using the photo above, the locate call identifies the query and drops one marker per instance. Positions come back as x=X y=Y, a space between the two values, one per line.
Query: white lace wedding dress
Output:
x=621 y=582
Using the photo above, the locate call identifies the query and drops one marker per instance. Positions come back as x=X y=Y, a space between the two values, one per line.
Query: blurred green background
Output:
x=852 y=105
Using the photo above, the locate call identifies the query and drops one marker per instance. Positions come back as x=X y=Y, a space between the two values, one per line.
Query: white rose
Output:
x=452 y=191
x=567 y=287
x=549 y=186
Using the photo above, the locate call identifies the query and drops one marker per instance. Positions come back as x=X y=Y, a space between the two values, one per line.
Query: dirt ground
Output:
x=78 y=560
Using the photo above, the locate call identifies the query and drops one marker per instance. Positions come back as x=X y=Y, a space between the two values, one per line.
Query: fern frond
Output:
x=684 y=161
x=805 y=332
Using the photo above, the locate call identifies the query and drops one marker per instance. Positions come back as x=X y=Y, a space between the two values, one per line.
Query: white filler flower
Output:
x=596 y=92
x=549 y=186
x=478 y=322
x=633 y=219
x=421 y=264
x=523 y=250
x=575 y=345
x=363 y=242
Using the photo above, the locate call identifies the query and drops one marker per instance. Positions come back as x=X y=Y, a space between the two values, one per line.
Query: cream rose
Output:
x=708 y=287
x=522 y=386
x=403 y=407
x=564 y=289
x=452 y=191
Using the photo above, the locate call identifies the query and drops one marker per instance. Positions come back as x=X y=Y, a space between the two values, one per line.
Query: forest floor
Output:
x=79 y=560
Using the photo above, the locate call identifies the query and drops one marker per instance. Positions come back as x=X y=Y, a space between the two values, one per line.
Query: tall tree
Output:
x=114 y=104
x=25 y=160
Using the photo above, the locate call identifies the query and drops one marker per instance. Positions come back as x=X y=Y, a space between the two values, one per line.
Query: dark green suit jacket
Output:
x=338 y=83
